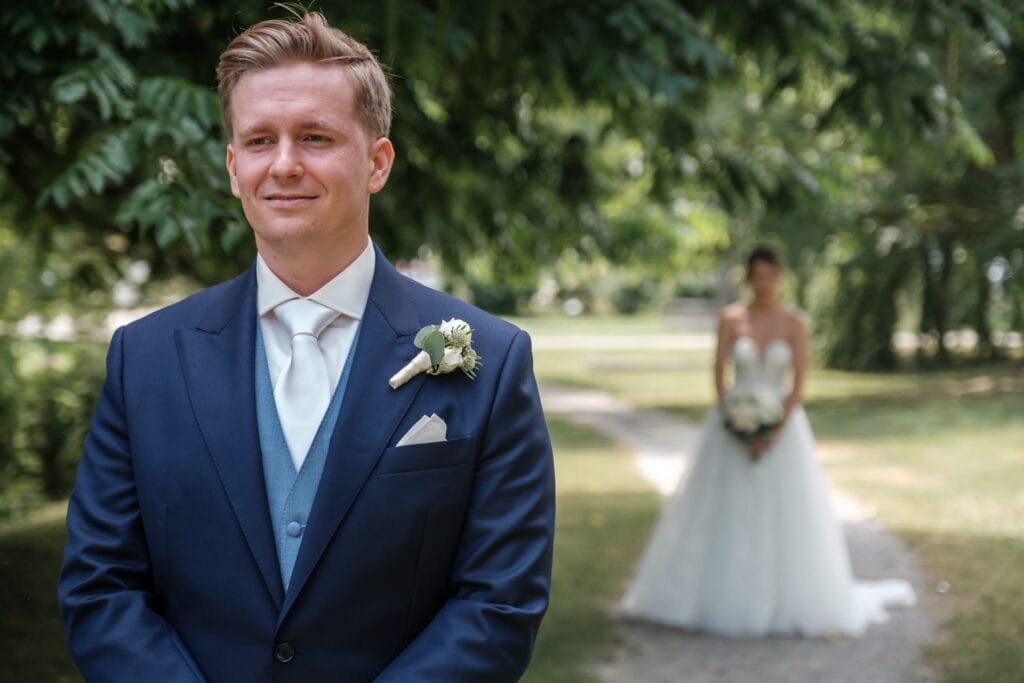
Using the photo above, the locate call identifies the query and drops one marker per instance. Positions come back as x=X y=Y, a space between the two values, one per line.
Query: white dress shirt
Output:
x=346 y=293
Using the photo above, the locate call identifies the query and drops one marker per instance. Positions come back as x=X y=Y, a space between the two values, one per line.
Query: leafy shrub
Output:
x=48 y=391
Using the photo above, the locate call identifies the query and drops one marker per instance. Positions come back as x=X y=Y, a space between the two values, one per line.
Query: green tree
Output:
x=111 y=123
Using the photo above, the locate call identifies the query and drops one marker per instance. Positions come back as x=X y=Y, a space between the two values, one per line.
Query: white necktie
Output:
x=303 y=391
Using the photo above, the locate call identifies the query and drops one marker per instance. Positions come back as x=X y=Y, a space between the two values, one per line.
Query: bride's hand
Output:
x=789 y=405
x=763 y=444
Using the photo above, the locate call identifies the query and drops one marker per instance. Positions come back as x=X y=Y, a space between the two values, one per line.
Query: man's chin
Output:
x=291 y=232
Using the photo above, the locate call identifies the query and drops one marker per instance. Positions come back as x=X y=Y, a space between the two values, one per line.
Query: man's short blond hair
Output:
x=307 y=38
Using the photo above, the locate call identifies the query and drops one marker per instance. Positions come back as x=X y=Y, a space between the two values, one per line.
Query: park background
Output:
x=590 y=169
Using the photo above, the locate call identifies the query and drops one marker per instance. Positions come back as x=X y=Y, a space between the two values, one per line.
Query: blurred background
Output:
x=595 y=171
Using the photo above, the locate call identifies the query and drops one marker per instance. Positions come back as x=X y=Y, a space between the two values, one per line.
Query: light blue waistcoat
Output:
x=291 y=494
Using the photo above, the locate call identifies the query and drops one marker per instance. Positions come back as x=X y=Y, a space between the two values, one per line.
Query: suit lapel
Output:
x=218 y=361
x=370 y=413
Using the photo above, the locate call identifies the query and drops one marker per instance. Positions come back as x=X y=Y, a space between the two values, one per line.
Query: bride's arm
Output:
x=799 y=343
x=726 y=333
x=800 y=353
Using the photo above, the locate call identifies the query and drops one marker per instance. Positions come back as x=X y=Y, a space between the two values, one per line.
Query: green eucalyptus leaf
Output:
x=422 y=335
x=433 y=344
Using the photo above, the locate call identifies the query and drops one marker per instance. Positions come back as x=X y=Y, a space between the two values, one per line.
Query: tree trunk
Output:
x=980 y=313
x=945 y=276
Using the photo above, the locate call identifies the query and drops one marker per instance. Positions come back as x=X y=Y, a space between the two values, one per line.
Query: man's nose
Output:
x=287 y=162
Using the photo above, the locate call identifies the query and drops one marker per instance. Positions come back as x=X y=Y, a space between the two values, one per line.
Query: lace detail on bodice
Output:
x=769 y=367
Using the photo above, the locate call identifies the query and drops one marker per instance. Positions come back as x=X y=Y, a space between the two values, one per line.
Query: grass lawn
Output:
x=601 y=325
x=30 y=628
x=940 y=455
x=604 y=507
x=946 y=472
x=604 y=511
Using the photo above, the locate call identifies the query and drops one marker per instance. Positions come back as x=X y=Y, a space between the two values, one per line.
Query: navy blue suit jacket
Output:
x=419 y=563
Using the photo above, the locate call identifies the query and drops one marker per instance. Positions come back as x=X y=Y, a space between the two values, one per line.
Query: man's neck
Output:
x=306 y=271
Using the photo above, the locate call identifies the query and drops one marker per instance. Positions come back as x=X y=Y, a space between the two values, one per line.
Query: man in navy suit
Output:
x=254 y=501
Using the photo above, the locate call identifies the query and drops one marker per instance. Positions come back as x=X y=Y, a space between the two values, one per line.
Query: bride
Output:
x=748 y=544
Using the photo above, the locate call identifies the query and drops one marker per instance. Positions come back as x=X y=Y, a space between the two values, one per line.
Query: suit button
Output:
x=284 y=652
x=293 y=529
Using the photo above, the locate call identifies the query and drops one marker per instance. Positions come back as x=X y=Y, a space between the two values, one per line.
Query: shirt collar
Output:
x=346 y=293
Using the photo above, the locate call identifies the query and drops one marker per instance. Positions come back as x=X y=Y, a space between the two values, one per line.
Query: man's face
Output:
x=300 y=159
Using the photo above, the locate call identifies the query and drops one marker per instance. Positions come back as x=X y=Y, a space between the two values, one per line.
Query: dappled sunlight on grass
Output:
x=587 y=324
x=604 y=512
x=676 y=380
x=586 y=462
x=960 y=459
x=981 y=578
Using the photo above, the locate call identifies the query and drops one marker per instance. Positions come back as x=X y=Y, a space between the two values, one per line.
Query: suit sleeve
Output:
x=502 y=571
x=105 y=588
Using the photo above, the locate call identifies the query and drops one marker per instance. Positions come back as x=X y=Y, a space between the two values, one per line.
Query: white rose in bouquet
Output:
x=751 y=412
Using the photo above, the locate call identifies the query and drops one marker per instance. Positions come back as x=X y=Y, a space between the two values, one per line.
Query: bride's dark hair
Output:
x=764 y=254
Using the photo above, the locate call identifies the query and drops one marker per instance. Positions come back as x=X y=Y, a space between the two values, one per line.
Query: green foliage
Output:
x=102 y=139
x=111 y=113
x=431 y=340
x=8 y=408
x=48 y=392
x=930 y=216
x=497 y=297
x=858 y=331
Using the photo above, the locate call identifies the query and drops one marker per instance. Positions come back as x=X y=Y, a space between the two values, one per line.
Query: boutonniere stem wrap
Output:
x=444 y=348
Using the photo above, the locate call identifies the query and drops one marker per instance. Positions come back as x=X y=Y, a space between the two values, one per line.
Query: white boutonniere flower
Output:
x=445 y=348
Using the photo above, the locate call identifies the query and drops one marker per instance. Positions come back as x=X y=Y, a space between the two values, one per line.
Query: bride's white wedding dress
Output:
x=749 y=549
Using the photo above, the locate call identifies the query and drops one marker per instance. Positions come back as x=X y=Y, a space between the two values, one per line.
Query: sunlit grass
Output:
x=947 y=473
x=555 y=323
x=672 y=380
x=604 y=511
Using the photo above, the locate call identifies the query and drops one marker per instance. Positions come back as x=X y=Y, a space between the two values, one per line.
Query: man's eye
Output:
x=317 y=138
x=257 y=142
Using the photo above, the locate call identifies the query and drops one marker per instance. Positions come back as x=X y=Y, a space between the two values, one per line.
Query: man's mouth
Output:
x=287 y=200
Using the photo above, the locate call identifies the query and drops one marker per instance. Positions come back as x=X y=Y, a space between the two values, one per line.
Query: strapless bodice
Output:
x=769 y=366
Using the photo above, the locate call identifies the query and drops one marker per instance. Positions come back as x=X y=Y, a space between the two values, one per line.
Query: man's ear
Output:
x=382 y=154
x=229 y=161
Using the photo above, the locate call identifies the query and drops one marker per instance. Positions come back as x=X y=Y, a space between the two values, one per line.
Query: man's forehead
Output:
x=295 y=71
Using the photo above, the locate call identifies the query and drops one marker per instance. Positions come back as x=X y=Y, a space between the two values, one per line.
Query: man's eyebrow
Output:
x=266 y=127
x=253 y=130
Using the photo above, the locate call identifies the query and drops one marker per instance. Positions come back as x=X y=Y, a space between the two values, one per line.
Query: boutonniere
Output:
x=445 y=348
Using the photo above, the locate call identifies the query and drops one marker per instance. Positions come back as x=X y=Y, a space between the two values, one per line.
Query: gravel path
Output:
x=888 y=653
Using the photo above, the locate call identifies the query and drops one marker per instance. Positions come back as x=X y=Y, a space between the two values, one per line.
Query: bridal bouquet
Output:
x=751 y=413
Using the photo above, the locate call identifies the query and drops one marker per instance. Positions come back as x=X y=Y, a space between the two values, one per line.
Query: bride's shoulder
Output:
x=796 y=319
x=732 y=313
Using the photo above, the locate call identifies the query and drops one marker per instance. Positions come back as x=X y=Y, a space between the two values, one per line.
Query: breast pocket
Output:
x=427 y=456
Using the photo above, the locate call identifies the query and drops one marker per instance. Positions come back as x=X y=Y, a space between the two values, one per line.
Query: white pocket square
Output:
x=426 y=430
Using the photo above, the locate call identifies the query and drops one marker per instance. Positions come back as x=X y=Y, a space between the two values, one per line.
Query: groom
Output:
x=255 y=502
